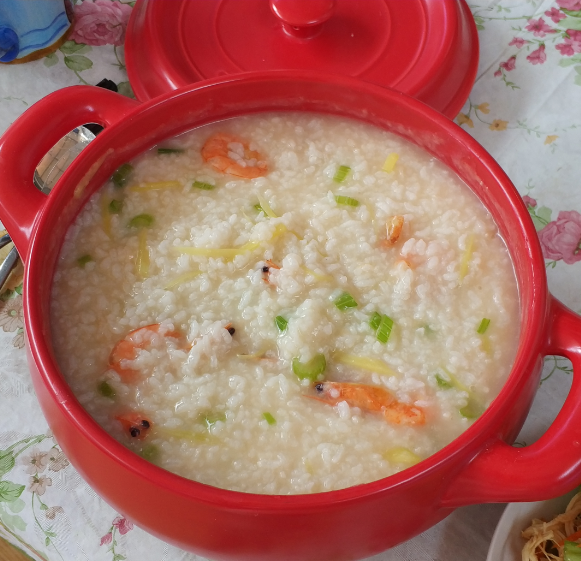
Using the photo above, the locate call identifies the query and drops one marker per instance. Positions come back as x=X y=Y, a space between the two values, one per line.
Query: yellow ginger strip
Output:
x=228 y=252
x=142 y=258
x=182 y=434
x=364 y=363
x=266 y=207
x=156 y=186
x=182 y=279
x=105 y=214
x=389 y=164
x=317 y=276
x=465 y=263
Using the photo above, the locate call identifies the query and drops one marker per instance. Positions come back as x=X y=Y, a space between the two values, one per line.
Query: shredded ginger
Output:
x=546 y=540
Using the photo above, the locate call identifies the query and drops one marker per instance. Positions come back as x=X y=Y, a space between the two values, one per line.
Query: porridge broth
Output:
x=339 y=314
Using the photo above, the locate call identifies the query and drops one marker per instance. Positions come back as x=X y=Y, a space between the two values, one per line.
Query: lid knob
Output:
x=302 y=18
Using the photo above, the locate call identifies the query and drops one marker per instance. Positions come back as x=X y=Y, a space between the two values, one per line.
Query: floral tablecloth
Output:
x=525 y=108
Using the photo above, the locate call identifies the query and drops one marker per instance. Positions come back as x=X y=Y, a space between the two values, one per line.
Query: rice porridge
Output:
x=285 y=303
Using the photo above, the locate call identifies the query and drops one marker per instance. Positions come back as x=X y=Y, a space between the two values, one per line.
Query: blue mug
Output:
x=30 y=29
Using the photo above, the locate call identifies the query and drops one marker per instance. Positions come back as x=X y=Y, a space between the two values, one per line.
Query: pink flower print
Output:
x=38 y=485
x=539 y=27
x=106 y=539
x=100 y=22
x=561 y=238
x=11 y=315
x=510 y=64
x=555 y=15
x=497 y=74
x=529 y=201
x=57 y=460
x=571 y=44
x=538 y=56
x=123 y=525
x=518 y=42
x=51 y=512
x=573 y=5
x=34 y=462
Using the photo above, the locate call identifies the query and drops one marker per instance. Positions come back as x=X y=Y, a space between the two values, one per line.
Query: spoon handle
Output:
x=8 y=265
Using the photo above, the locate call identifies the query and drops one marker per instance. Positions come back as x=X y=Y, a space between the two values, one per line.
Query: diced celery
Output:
x=269 y=418
x=281 y=323
x=384 y=329
x=375 y=321
x=150 y=453
x=203 y=186
x=311 y=369
x=115 y=206
x=345 y=301
x=401 y=455
x=141 y=221
x=83 y=260
x=344 y=200
x=106 y=390
x=121 y=175
x=483 y=326
x=341 y=174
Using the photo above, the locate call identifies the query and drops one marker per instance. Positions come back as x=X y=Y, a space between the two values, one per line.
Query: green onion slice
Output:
x=384 y=329
x=281 y=323
x=115 y=206
x=141 y=221
x=210 y=419
x=443 y=383
x=345 y=301
x=341 y=174
x=150 y=453
x=375 y=321
x=106 y=390
x=83 y=260
x=121 y=175
x=343 y=200
x=170 y=151
x=483 y=326
x=269 y=418
x=311 y=369
x=472 y=410
x=203 y=186
x=258 y=208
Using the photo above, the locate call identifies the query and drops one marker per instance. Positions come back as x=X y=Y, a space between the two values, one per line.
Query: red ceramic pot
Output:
x=478 y=466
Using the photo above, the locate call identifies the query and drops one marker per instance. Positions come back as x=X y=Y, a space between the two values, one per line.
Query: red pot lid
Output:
x=425 y=48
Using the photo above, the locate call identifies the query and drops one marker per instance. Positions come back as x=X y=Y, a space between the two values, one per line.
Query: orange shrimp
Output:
x=126 y=349
x=370 y=398
x=135 y=425
x=393 y=228
x=266 y=270
x=232 y=155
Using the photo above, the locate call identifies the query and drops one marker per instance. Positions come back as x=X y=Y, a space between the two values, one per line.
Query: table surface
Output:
x=524 y=109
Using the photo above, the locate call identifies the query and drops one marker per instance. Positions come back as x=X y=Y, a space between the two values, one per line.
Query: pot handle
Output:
x=552 y=465
x=32 y=135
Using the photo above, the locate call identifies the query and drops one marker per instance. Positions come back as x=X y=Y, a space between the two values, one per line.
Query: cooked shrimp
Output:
x=266 y=270
x=393 y=229
x=232 y=155
x=134 y=424
x=126 y=349
x=370 y=398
